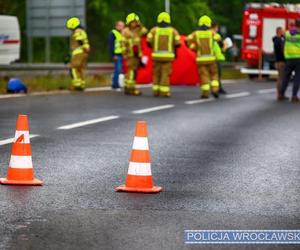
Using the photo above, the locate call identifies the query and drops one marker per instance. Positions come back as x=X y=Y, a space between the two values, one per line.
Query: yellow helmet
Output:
x=204 y=20
x=164 y=17
x=132 y=17
x=73 y=23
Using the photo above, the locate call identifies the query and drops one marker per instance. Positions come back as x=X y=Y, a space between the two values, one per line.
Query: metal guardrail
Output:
x=35 y=69
x=51 y=68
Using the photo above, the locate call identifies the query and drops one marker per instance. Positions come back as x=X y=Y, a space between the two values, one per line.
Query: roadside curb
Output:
x=95 y=89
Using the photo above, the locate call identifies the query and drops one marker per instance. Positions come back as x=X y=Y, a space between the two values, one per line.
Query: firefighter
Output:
x=80 y=49
x=164 y=40
x=132 y=51
x=208 y=52
x=292 y=57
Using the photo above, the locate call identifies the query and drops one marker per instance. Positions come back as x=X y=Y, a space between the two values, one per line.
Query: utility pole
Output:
x=167 y=6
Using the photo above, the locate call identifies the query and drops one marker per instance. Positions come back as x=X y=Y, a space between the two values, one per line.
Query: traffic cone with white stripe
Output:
x=139 y=178
x=20 y=170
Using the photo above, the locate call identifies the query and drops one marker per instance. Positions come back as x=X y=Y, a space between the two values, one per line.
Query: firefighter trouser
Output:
x=209 y=77
x=78 y=66
x=161 y=77
x=132 y=64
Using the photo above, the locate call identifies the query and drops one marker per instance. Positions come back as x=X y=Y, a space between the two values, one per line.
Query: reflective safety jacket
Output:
x=117 y=42
x=208 y=50
x=79 y=42
x=219 y=41
x=163 y=41
x=292 y=46
x=131 y=41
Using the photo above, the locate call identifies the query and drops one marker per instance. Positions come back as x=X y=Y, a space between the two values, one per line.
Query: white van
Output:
x=10 y=41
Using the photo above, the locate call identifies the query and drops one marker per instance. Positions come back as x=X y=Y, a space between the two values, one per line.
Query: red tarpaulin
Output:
x=184 y=71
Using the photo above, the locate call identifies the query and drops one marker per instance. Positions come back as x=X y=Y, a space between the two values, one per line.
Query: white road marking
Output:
x=236 y=95
x=199 y=101
x=11 y=140
x=52 y=92
x=85 y=123
x=266 y=91
x=152 y=109
x=232 y=81
x=96 y=89
x=144 y=86
x=11 y=96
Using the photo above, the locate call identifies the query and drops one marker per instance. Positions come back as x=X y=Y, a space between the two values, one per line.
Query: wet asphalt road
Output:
x=226 y=164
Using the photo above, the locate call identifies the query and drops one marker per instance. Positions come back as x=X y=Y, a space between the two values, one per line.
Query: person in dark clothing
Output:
x=292 y=57
x=116 y=50
x=278 y=42
x=219 y=40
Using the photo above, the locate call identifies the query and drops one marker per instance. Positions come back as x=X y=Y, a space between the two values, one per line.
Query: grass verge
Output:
x=63 y=82
x=59 y=82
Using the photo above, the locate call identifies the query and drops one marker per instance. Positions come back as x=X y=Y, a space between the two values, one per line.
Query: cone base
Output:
x=34 y=182
x=123 y=188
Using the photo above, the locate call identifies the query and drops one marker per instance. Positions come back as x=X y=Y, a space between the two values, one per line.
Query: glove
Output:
x=144 y=61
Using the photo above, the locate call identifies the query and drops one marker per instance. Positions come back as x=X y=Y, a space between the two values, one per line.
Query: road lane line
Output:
x=236 y=95
x=199 y=101
x=152 y=109
x=266 y=91
x=11 y=140
x=89 y=122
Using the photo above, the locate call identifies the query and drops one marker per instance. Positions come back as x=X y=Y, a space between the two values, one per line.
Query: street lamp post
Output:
x=167 y=6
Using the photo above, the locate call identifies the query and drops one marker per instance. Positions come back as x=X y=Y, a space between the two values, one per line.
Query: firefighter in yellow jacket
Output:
x=208 y=52
x=132 y=51
x=80 y=49
x=164 y=40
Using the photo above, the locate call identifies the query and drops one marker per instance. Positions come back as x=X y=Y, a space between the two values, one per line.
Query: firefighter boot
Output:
x=205 y=94
x=215 y=94
x=136 y=92
x=295 y=99
x=165 y=90
x=127 y=90
x=215 y=88
x=155 y=90
x=165 y=94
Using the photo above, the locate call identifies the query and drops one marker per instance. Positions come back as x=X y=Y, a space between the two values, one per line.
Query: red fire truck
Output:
x=260 y=21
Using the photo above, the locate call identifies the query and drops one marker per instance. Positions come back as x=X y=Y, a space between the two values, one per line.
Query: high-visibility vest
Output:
x=205 y=44
x=292 y=46
x=118 y=40
x=79 y=35
x=158 y=52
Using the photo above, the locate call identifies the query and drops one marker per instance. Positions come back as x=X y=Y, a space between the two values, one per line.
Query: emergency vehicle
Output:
x=259 y=24
x=9 y=39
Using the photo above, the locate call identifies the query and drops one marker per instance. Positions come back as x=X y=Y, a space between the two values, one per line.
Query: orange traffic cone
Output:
x=139 y=178
x=20 y=170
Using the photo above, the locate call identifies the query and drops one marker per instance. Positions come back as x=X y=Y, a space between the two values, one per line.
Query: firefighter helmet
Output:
x=205 y=20
x=73 y=23
x=164 y=17
x=132 y=17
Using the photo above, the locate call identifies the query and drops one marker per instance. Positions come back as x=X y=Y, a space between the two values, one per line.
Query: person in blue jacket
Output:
x=115 y=49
